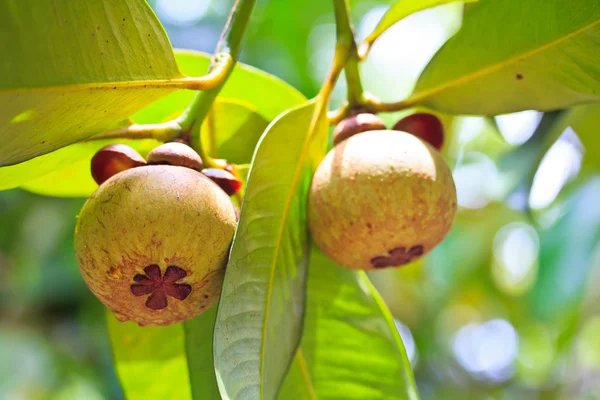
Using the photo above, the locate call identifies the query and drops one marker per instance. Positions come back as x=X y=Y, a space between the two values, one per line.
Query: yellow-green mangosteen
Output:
x=152 y=243
x=381 y=199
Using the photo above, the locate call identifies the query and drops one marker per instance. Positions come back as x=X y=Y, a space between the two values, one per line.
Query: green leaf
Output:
x=513 y=56
x=268 y=94
x=402 y=9
x=236 y=126
x=232 y=129
x=62 y=65
x=351 y=348
x=246 y=86
x=74 y=180
x=147 y=357
x=259 y=320
x=199 y=350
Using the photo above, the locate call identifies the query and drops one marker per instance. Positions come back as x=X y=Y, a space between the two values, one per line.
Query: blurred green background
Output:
x=505 y=308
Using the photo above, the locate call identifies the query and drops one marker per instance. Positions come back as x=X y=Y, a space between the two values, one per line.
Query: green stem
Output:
x=345 y=37
x=229 y=43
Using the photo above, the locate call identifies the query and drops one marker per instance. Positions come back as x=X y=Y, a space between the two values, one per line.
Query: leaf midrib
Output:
x=420 y=96
x=295 y=180
x=177 y=83
x=305 y=374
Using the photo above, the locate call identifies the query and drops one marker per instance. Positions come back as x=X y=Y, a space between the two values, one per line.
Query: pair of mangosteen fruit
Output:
x=152 y=241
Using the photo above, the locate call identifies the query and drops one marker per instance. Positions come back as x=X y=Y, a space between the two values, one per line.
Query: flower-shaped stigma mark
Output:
x=398 y=256
x=158 y=287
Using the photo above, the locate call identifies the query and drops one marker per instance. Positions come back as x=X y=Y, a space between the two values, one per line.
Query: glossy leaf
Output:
x=351 y=348
x=513 y=56
x=259 y=320
x=402 y=9
x=199 y=350
x=246 y=86
x=147 y=357
x=231 y=130
x=62 y=65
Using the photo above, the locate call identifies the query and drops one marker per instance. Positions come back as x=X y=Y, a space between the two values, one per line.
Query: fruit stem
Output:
x=340 y=58
x=345 y=37
x=379 y=106
x=221 y=66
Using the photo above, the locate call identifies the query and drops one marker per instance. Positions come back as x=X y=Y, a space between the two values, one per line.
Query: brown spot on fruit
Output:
x=112 y=159
x=115 y=273
x=158 y=287
x=396 y=257
x=519 y=77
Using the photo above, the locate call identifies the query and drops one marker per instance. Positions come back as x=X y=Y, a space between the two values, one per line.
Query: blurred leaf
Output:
x=351 y=348
x=585 y=121
x=467 y=248
x=75 y=179
x=259 y=320
x=148 y=357
x=246 y=85
x=199 y=350
x=513 y=56
x=61 y=64
x=243 y=170
x=518 y=167
x=402 y=9
x=231 y=130
x=566 y=255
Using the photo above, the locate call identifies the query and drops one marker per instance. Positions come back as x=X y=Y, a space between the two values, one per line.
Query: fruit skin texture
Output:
x=425 y=126
x=112 y=159
x=355 y=124
x=155 y=215
x=381 y=198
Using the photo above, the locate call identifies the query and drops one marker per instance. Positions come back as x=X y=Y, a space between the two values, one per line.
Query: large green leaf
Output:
x=74 y=179
x=148 y=357
x=351 y=348
x=71 y=69
x=243 y=88
x=235 y=127
x=259 y=320
x=402 y=9
x=512 y=56
x=199 y=350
